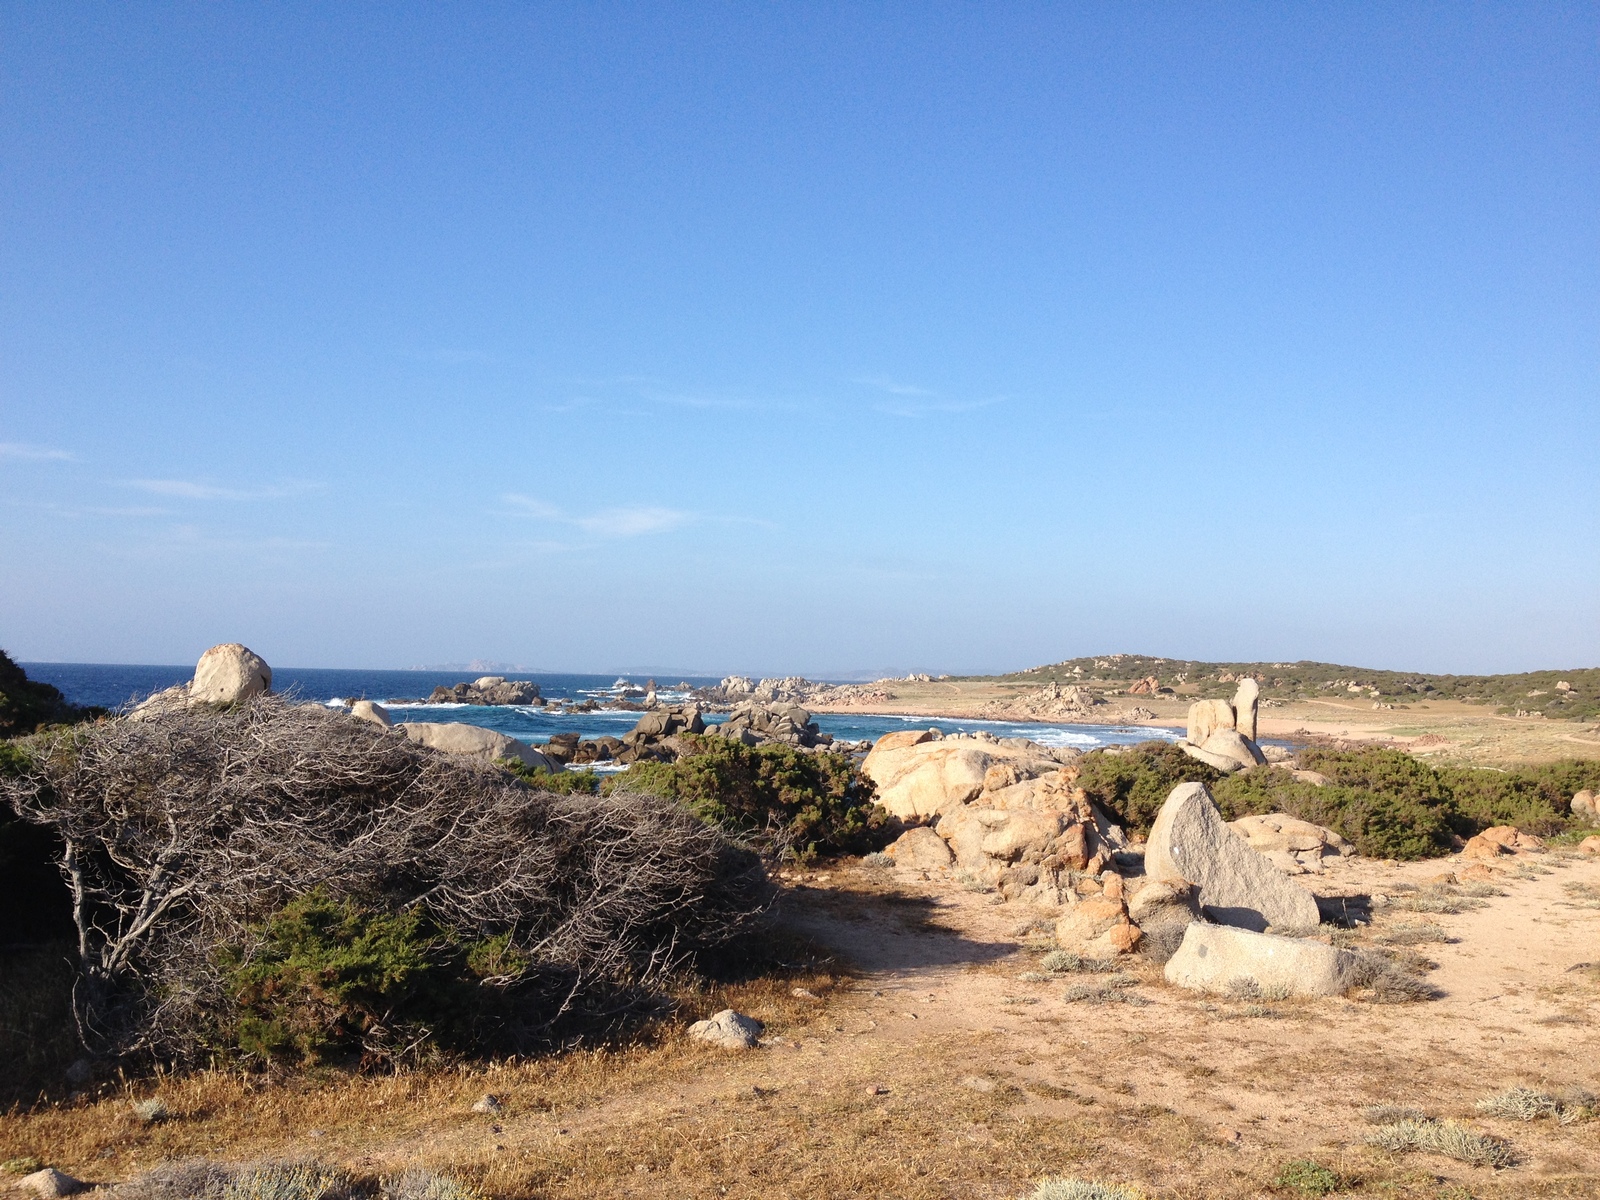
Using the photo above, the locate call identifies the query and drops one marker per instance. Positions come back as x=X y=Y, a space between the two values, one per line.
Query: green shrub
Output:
x=1308 y=1178
x=1133 y=785
x=788 y=800
x=1384 y=802
x=329 y=978
x=563 y=783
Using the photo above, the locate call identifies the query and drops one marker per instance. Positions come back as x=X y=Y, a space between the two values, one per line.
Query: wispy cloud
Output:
x=884 y=384
x=185 y=489
x=913 y=402
x=623 y=522
x=31 y=453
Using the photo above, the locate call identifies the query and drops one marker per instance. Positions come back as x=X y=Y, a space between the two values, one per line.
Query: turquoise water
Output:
x=115 y=685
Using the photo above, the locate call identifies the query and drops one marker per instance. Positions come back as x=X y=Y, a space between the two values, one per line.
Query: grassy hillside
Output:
x=1530 y=693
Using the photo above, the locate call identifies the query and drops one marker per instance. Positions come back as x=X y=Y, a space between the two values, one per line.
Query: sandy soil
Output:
x=933 y=1068
x=1451 y=731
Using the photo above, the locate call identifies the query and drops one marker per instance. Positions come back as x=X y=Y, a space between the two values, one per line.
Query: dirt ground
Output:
x=933 y=1061
x=1449 y=731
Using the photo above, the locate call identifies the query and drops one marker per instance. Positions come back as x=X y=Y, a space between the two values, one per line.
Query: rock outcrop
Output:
x=758 y=723
x=489 y=689
x=1294 y=846
x=934 y=774
x=1189 y=843
x=656 y=738
x=571 y=748
x=1585 y=809
x=1216 y=958
x=227 y=674
x=1222 y=734
x=456 y=737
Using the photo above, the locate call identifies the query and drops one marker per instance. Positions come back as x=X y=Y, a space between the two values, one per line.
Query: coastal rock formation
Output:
x=656 y=737
x=456 y=737
x=366 y=710
x=1294 y=846
x=758 y=722
x=227 y=674
x=1216 y=958
x=1189 y=843
x=1222 y=734
x=1585 y=809
x=489 y=689
x=565 y=748
x=932 y=775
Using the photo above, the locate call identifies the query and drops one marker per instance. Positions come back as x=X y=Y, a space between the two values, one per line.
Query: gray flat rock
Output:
x=1190 y=843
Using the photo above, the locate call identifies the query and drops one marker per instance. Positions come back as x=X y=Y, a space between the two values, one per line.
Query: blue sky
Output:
x=801 y=338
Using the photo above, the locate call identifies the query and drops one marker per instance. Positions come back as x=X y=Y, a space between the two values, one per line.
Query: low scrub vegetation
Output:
x=1525 y=1104
x=1443 y=1137
x=1309 y=1178
x=1066 y=1188
x=786 y=801
x=202 y=1179
x=1529 y=692
x=277 y=881
x=1385 y=802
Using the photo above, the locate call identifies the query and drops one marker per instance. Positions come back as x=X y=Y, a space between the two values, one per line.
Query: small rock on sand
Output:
x=728 y=1029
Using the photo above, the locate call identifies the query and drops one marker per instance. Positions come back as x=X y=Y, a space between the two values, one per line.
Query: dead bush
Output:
x=185 y=833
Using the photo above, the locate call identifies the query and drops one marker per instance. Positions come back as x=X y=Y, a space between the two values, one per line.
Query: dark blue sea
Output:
x=115 y=686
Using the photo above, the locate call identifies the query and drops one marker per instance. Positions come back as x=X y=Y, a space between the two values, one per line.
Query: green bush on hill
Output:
x=1537 y=692
x=784 y=799
x=1385 y=802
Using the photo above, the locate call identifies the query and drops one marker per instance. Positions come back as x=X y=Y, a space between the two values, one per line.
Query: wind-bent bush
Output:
x=188 y=837
x=783 y=799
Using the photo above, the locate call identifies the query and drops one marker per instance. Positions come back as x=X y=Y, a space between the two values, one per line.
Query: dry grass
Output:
x=1443 y=1137
x=1525 y=1104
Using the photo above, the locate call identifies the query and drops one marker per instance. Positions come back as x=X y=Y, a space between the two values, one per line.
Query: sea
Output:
x=119 y=686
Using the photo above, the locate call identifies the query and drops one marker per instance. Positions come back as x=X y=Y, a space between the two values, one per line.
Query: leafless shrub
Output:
x=184 y=831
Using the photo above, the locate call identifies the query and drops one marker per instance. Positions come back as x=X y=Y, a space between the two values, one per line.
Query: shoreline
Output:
x=1455 y=732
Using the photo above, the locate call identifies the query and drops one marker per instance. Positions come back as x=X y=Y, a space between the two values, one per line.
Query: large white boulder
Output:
x=1216 y=958
x=457 y=737
x=1189 y=842
x=922 y=781
x=229 y=673
x=367 y=710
